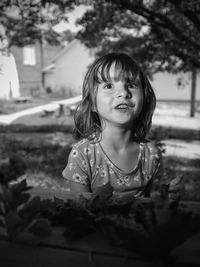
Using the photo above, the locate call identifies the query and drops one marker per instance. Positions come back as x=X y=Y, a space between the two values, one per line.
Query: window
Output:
x=29 y=55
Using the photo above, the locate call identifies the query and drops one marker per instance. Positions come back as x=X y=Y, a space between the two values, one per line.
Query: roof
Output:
x=64 y=50
x=49 y=68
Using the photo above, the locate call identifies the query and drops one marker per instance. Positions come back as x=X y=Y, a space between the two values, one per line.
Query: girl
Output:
x=112 y=122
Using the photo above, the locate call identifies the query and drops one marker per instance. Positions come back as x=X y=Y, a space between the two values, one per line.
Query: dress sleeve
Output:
x=152 y=160
x=151 y=168
x=77 y=171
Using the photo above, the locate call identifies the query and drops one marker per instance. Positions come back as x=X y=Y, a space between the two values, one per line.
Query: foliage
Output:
x=161 y=35
x=34 y=155
x=40 y=155
x=19 y=214
x=31 y=20
x=155 y=225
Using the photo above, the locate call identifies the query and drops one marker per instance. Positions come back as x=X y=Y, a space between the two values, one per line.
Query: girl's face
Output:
x=118 y=101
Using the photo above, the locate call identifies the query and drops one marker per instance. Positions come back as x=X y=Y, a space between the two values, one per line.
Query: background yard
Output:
x=39 y=146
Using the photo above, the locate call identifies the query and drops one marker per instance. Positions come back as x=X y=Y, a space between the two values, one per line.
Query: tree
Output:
x=31 y=20
x=160 y=34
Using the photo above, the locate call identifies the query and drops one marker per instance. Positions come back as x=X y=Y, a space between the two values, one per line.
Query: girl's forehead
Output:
x=112 y=71
x=116 y=71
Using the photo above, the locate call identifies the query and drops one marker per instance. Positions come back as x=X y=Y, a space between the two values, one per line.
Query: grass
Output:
x=43 y=143
x=45 y=156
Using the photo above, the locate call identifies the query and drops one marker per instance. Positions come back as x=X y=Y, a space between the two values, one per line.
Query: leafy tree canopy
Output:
x=160 y=34
x=30 y=20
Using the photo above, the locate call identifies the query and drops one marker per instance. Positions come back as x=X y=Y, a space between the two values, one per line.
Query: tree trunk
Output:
x=193 y=92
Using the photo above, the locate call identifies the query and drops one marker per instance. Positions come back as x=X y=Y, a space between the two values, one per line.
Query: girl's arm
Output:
x=76 y=187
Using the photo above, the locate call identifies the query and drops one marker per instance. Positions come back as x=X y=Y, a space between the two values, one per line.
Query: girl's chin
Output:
x=123 y=122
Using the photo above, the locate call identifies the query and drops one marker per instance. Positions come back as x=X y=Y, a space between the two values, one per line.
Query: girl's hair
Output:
x=87 y=121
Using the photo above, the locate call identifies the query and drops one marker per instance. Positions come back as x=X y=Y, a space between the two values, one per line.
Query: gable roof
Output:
x=64 y=50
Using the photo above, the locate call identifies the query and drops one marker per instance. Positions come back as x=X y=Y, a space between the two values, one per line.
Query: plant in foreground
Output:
x=152 y=226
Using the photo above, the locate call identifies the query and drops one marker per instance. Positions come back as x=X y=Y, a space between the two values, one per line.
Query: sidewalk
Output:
x=9 y=119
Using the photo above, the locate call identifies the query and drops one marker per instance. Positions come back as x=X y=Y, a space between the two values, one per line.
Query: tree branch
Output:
x=151 y=16
x=192 y=16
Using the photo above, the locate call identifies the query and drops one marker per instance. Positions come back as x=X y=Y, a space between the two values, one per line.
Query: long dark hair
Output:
x=87 y=121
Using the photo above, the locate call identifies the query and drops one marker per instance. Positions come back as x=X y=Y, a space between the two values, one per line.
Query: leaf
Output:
x=13 y=223
x=41 y=227
x=104 y=192
x=101 y=195
x=20 y=187
x=2 y=208
x=58 y=201
x=19 y=199
x=35 y=207
x=3 y=235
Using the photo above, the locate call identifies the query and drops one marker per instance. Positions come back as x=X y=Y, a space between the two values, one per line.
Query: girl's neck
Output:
x=116 y=138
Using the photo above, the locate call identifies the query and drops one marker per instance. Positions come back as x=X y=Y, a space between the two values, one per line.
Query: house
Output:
x=30 y=61
x=67 y=69
x=57 y=69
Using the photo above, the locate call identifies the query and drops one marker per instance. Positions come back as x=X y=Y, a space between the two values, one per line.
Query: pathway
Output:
x=10 y=118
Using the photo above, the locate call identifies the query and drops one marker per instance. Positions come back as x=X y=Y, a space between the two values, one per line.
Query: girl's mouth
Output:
x=123 y=106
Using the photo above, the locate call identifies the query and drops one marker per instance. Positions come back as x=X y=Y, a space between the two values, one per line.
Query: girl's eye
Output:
x=108 y=86
x=133 y=86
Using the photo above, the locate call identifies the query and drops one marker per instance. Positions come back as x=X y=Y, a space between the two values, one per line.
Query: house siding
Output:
x=70 y=69
x=30 y=77
x=166 y=86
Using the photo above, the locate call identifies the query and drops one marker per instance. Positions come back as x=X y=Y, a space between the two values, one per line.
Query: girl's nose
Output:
x=124 y=92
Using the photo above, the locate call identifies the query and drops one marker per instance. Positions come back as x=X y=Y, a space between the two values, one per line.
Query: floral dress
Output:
x=89 y=165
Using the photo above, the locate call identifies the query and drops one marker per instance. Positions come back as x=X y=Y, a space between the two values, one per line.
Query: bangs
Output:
x=124 y=69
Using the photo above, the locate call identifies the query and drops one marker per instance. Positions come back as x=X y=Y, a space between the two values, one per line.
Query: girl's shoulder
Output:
x=80 y=144
x=151 y=148
x=84 y=145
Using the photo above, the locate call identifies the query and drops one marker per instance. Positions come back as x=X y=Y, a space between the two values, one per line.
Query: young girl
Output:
x=112 y=122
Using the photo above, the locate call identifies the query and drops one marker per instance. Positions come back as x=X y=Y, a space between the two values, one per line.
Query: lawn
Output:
x=41 y=145
x=40 y=157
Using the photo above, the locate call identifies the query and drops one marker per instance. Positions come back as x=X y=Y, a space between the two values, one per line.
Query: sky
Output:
x=76 y=13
